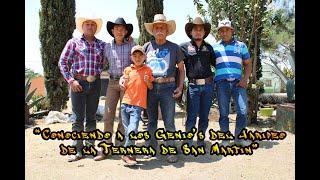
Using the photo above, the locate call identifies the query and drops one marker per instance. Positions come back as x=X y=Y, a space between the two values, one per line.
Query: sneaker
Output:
x=147 y=157
x=128 y=160
x=172 y=158
x=134 y=158
x=100 y=157
x=76 y=157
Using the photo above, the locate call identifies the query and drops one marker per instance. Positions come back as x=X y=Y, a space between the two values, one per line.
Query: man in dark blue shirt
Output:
x=199 y=58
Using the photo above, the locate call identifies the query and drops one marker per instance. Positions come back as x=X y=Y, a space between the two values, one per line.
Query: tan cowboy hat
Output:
x=225 y=23
x=197 y=21
x=80 y=20
x=160 y=18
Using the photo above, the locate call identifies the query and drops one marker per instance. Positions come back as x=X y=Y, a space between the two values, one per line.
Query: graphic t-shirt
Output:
x=163 y=59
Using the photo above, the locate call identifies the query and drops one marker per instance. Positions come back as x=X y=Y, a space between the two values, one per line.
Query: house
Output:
x=38 y=82
x=272 y=82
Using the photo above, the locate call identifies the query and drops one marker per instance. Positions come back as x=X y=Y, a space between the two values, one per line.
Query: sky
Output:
x=177 y=10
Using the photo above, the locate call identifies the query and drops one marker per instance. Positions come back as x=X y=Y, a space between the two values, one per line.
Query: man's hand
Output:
x=177 y=93
x=122 y=82
x=75 y=86
x=243 y=83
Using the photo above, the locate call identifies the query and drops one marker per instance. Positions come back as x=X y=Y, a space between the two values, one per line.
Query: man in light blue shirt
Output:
x=232 y=55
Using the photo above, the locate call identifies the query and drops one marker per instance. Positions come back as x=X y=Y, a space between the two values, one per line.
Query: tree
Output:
x=30 y=74
x=247 y=17
x=146 y=9
x=57 y=24
x=279 y=43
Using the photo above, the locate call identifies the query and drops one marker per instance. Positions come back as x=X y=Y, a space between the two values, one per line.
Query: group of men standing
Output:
x=83 y=59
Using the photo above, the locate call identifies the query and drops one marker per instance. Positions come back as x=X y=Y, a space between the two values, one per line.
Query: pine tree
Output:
x=57 y=23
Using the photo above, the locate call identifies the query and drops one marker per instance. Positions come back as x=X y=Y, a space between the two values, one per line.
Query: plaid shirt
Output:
x=84 y=59
x=118 y=56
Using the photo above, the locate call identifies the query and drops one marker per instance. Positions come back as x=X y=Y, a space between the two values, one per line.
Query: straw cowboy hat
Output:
x=81 y=20
x=197 y=21
x=225 y=23
x=160 y=18
x=119 y=21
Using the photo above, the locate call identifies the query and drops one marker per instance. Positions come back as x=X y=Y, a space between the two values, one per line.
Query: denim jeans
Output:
x=84 y=105
x=199 y=100
x=161 y=93
x=226 y=89
x=130 y=119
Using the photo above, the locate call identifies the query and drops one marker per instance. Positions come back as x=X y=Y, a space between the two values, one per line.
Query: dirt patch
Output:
x=272 y=160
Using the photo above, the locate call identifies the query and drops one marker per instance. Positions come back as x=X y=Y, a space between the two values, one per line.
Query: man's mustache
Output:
x=160 y=33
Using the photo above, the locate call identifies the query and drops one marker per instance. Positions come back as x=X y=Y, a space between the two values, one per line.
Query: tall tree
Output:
x=279 y=39
x=146 y=9
x=57 y=23
x=247 y=18
x=279 y=42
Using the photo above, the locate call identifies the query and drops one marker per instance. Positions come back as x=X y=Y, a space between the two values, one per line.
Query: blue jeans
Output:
x=161 y=93
x=130 y=119
x=84 y=106
x=199 y=100
x=226 y=89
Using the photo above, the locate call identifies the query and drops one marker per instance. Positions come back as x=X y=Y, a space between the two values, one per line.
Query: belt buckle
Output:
x=231 y=79
x=91 y=78
x=200 y=81
x=159 y=79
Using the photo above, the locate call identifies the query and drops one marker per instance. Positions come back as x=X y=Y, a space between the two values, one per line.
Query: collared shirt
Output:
x=198 y=61
x=229 y=59
x=118 y=56
x=136 y=88
x=84 y=58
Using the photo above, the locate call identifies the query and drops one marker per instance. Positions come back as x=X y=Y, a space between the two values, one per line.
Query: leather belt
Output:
x=201 y=81
x=160 y=80
x=89 y=78
x=116 y=78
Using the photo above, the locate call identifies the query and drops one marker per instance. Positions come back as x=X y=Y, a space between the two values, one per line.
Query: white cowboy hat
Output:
x=225 y=23
x=80 y=20
x=160 y=18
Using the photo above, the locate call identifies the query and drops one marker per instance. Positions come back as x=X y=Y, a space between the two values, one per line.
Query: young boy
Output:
x=135 y=80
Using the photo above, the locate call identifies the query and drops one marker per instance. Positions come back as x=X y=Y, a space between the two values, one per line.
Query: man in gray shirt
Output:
x=163 y=57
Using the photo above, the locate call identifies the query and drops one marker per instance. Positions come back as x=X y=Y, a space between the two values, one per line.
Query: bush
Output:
x=42 y=105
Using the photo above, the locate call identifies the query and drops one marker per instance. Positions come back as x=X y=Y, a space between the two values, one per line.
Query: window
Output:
x=268 y=83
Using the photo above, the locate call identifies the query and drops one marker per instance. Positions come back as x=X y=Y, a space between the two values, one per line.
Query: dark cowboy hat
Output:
x=119 y=21
x=197 y=21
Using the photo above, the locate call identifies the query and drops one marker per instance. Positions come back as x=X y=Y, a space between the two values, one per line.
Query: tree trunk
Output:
x=57 y=24
x=145 y=12
x=253 y=94
x=26 y=114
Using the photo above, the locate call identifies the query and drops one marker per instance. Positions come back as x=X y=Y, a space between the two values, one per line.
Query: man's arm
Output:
x=65 y=58
x=178 y=91
x=247 y=64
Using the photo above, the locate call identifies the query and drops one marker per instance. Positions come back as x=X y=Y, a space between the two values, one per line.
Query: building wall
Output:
x=38 y=82
x=272 y=82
